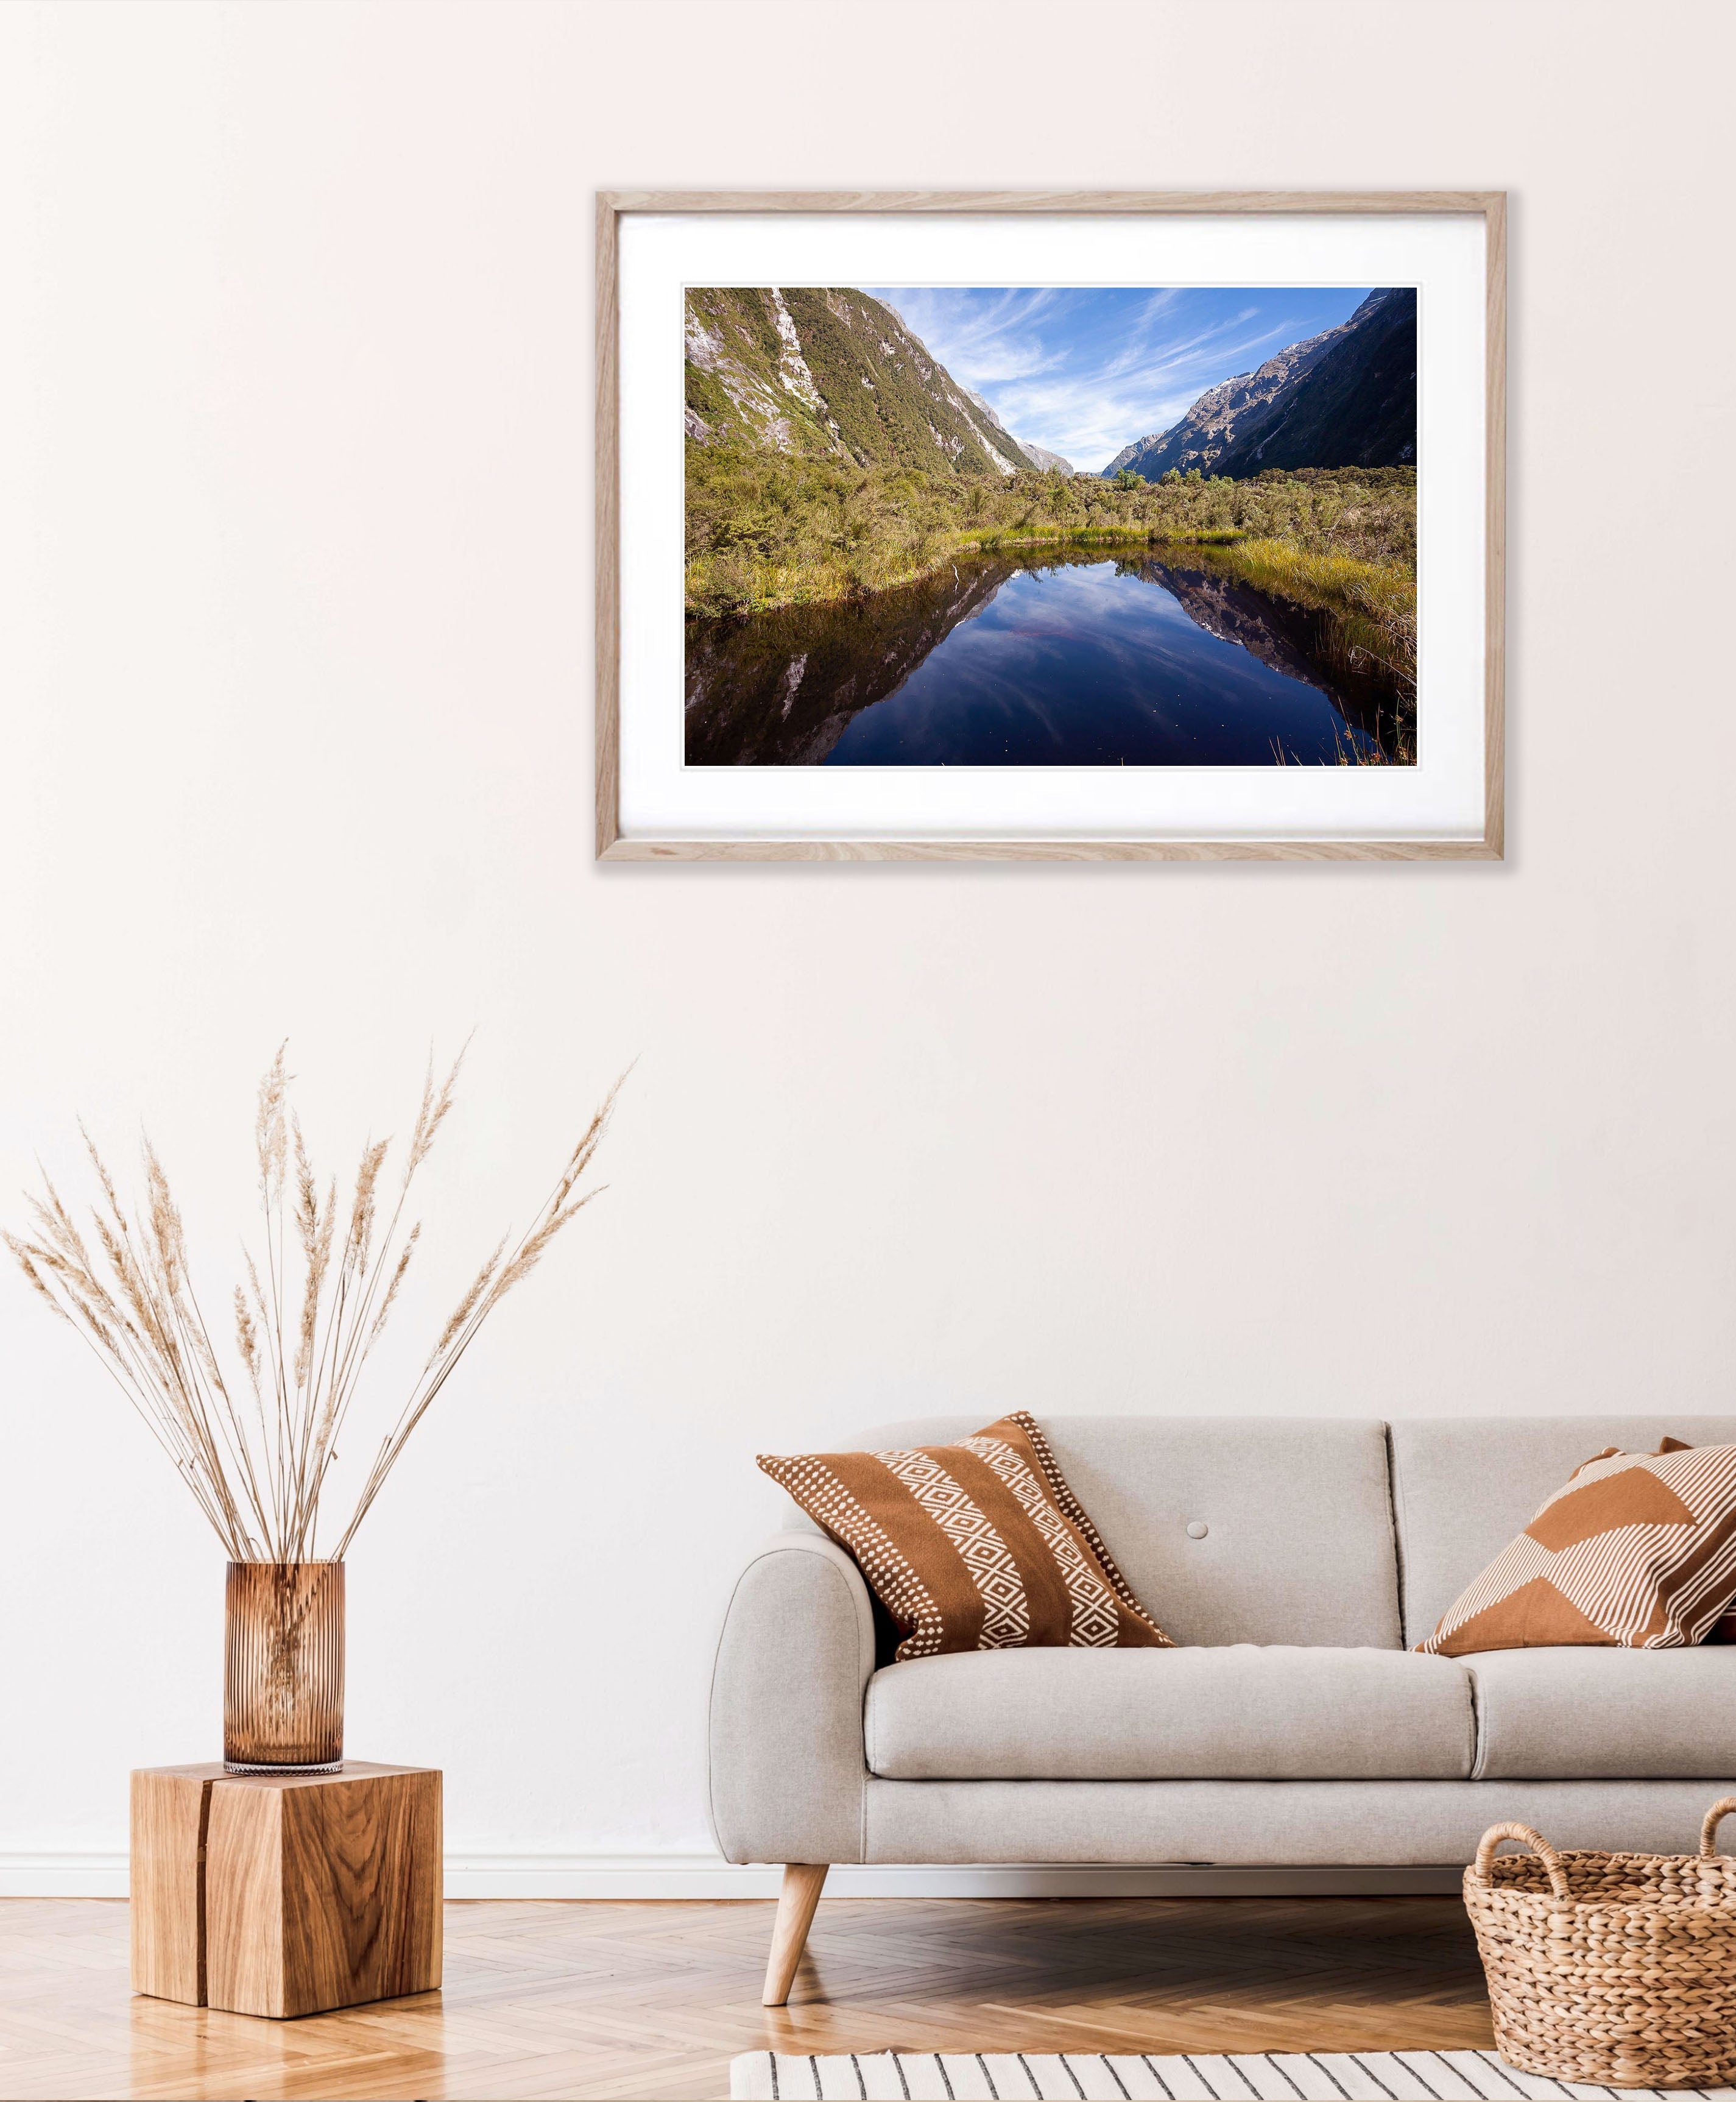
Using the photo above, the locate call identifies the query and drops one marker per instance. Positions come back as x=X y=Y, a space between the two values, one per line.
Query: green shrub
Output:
x=766 y=529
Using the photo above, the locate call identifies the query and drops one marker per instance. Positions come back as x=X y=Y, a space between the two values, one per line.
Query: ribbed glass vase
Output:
x=283 y=1668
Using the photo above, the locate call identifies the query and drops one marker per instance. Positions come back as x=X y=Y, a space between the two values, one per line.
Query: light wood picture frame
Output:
x=616 y=842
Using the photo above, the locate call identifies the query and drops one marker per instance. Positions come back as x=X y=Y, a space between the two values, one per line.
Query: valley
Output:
x=832 y=461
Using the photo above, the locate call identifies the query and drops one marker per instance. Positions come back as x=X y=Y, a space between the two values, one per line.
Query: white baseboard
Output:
x=95 y=1875
x=62 y=1875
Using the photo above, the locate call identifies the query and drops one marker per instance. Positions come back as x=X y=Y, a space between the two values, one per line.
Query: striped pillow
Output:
x=1723 y=1629
x=976 y=1545
x=1638 y=1551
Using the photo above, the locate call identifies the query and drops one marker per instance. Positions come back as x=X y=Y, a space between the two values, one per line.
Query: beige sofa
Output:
x=1296 y=1561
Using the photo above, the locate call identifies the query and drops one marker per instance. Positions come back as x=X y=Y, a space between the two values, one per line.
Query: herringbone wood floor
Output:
x=652 y=1999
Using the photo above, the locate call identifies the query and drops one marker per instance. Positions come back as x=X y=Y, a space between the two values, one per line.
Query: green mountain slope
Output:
x=830 y=373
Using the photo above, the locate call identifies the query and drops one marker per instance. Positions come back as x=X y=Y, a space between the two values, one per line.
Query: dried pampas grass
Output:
x=255 y=1450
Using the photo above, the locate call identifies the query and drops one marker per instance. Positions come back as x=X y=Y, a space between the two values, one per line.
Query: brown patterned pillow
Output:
x=1638 y=1551
x=976 y=1545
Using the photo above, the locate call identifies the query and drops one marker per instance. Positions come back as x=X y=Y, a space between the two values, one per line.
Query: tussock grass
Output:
x=1374 y=609
x=255 y=1443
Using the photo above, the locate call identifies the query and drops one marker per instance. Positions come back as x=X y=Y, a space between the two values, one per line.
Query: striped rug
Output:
x=1313 y=2075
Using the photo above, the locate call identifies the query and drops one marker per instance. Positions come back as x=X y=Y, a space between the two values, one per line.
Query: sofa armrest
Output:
x=788 y=1773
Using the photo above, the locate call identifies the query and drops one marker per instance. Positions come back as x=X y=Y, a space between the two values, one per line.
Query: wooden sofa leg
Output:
x=803 y=1884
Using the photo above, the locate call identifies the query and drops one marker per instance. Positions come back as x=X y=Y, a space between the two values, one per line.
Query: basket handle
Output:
x=1709 y=1830
x=1540 y=1847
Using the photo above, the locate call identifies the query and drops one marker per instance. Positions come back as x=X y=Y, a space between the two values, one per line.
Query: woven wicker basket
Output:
x=1616 y=1969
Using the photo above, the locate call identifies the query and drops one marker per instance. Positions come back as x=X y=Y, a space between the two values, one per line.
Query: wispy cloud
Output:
x=1084 y=370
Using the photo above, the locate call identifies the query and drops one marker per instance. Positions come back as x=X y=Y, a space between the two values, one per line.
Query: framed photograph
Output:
x=1068 y=527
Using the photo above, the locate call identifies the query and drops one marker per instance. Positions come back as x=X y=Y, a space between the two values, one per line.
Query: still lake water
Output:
x=1075 y=658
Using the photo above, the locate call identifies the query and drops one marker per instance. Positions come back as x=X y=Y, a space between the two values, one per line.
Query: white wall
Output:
x=294 y=580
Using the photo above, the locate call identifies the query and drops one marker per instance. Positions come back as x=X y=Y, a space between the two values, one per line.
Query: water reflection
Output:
x=1072 y=659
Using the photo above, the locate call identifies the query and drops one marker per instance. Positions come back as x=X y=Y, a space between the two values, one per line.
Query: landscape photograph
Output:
x=952 y=526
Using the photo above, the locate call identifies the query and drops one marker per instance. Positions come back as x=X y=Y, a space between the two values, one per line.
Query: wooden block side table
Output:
x=285 y=1894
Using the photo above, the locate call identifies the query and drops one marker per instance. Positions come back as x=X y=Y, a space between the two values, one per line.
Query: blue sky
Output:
x=1085 y=370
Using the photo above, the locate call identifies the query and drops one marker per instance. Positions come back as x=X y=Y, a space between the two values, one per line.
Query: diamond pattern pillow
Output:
x=976 y=1545
x=1638 y=1551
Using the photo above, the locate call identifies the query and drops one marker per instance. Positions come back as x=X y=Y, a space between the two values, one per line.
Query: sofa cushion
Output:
x=1235 y=1529
x=1604 y=1714
x=1172 y=1714
x=1250 y=1825
x=1463 y=1487
x=976 y=1544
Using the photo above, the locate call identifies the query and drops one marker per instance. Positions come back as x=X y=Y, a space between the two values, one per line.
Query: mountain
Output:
x=831 y=373
x=1050 y=463
x=1036 y=455
x=1345 y=398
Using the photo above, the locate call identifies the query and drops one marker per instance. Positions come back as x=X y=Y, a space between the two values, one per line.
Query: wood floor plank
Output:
x=613 y=2000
